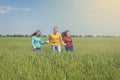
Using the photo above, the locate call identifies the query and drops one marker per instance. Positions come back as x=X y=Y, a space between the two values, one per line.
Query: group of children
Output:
x=55 y=38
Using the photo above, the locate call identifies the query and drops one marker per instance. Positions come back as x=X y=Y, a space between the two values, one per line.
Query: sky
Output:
x=81 y=17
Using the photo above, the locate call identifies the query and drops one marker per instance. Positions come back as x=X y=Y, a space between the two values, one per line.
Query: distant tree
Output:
x=89 y=36
x=26 y=35
x=8 y=35
x=3 y=35
x=30 y=35
x=0 y=35
x=98 y=36
x=74 y=36
x=109 y=36
x=80 y=36
x=17 y=35
x=44 y=36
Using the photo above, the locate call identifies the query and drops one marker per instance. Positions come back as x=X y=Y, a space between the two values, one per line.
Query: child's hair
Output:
x=55 y=27
x=35 y=33
x=64 y=34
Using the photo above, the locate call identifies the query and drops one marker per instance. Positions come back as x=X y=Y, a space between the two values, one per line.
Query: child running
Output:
x=56 y=39
x=36 y=41
x=68 y=41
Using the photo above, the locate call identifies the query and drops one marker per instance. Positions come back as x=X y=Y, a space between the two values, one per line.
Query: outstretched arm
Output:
x=62 y=41
x=42 y=42
x=48 y=41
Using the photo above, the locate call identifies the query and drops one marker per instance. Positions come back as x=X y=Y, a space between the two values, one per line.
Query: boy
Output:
x=56 y=39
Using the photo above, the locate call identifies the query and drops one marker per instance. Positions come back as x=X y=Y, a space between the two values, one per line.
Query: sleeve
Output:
x=42 y=42
x=33 y=42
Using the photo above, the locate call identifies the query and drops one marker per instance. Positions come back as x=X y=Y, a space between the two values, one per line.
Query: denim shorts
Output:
x=56 y=48
x=69 y=48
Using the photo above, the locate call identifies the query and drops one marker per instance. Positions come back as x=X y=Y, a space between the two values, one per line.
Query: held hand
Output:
x=64 y=44
x=47 y=42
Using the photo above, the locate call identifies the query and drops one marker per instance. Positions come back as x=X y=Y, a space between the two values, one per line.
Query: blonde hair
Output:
x=55 y=27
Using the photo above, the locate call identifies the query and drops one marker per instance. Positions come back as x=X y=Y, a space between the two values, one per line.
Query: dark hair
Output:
x=35 y=33
x=64 y=34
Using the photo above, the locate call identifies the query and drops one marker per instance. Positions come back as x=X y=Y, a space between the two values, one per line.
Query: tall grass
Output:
x=93 y=59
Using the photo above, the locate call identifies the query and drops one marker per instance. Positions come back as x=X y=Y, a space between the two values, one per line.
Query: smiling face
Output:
x=55 y=30
x=38 y=33
x=68 y=33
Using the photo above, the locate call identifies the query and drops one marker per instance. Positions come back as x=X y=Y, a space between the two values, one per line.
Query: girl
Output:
x=36 y=41
x=68 y=41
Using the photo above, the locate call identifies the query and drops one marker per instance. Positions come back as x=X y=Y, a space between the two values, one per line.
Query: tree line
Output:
x=80 y=36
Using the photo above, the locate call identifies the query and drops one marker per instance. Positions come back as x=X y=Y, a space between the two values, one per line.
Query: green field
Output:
x=93 y=59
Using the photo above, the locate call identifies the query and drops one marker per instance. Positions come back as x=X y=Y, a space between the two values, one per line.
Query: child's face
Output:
x=55 y=30
x=68 y=33
x=38 y=33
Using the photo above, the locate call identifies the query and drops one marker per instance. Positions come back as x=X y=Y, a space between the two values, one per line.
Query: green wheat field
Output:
x=93 y=59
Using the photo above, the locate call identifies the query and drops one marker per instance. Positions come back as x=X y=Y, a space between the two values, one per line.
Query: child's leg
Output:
x=71 y=49
x=67 y=48
x=53 y=48
x=39 y=49
x=58 y=48
x=33 y=49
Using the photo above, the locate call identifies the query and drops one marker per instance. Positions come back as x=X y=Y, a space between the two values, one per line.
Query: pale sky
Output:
x=95 y=17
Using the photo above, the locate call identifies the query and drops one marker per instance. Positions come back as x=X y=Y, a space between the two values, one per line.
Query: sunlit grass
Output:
x=93 y=59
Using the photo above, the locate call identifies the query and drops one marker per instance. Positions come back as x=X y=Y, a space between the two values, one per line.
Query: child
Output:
x=56 y=39
x=68 y=41
x=36 y=41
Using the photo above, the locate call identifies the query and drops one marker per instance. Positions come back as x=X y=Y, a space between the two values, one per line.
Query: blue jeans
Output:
x=38 y=49
x=56 y=48
x=69 y=48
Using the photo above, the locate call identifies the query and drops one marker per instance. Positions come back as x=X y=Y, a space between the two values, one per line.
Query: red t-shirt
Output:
x=68 y=41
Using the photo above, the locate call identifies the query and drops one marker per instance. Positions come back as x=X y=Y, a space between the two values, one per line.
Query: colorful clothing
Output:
x=69 y=48
x=38 y=49
x=68 y=42
x=56 y=48
x=36 y=41
x=56 y=39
